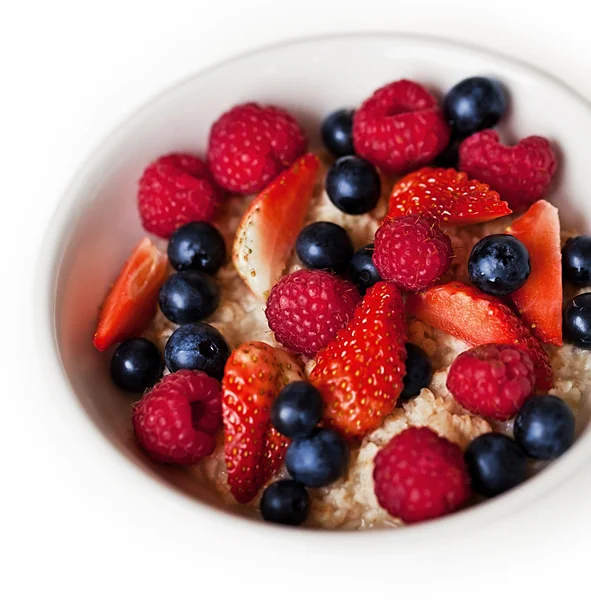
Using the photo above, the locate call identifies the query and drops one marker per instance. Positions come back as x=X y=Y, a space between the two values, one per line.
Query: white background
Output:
x=70 y=70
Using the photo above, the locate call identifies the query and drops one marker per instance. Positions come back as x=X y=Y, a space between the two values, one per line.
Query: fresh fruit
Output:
x=197 y=346
x=255 y=374
x=419 y=372
x=362 y=270
x=522 y=174
x=337 y=132
x=297 y=410
x=545 y=427
x=251 y=144
x=577 y=321
x=476 y=318
x=499 y=264
x=136 y=365
x=446 y=195
x=492 y=381
x=197 y=246
x=360 y=372
x=400 y=127
x=419 y=475
x=268 y=230
x=449 y=158
x=285 y=502
x=178 y=419
x=539 y=300
x=306 y=309
x=132 y=301
x=412 y=251
x=326 y=246
x=353 y=185
x=576 y=260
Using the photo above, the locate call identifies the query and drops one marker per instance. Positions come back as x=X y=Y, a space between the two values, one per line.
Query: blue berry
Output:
x=362 y=270
x=449 y=158
x=495 y=464
x=545 y=427
x=337 y=132
x=319 y=459
x=419 y=372
x=285 y=502
x=353 y=185
x=197 y=246
x=136 y=365
x=297 y=409
x=188 y=296
x=324 y=246
x=499 y=264
x=576 y=321
x=576 y=260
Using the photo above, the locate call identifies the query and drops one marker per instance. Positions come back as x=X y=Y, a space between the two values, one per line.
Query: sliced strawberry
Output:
x=477 y=318
x=447 y=195
x=539 y=300
x=269 y=228
x=132 y=301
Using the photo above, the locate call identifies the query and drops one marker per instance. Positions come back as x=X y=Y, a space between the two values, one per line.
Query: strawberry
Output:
x=539 y=300
x=132 y=301
x=269 y=228
x=254 y=449
x=360 y=372
x=477 y=318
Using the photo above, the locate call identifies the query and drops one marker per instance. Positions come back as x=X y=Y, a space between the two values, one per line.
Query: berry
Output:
x=188 y=296
x=473 y=104
x=419 y=475
x=197 y=246
x=174 y=190
x=495 y=464
x=449 y=158
x=576 y=260
x=545 y=427
x=492 y=381
x=419 y=372
x=251 y=144
x=400 y=127
x=521 y=174
x=362 y=270
x=199 y=347
x=285 y=502
x=577 y=321
x=319 y=459
x=297 y=410
x=499 y=264
x=353 y=185
x=337 y=132
x=305 y=309
x=412 y=251
x=136 y=365
x=178 y=419
x=326 y=246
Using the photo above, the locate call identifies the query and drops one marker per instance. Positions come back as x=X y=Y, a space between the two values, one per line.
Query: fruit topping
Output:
x=419 y=372
x=326 y=246
x=197 y=246
x=576 y=260
x=337 y=132
x=285 y=502
x=362 y=269
x=136 y=365
x=297 y=410
x=577 y=321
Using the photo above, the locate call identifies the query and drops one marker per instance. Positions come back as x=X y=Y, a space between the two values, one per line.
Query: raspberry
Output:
x=492 y=381
x=412 y=251
x=178 y=419
x=174 y=190
x=306 y=309
x=251 y=144
x=400 y=127
x=521 y=174
x=420 y=475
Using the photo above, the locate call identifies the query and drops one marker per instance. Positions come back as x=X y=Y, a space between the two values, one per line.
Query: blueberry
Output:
x=545 y=427
x=199 y=347
x=577 y=321
x=136 y=365
x=197 y=246
x=449 y=158
x=362 y=270
x=337 y=132
x=297 y=409
x=325 y=246
x=495 y=463
x=499 y=264
x=285 y=502
x=188 y=296
x=353 y=185
x=576 y=260
x=419 y=372
x=319 y=459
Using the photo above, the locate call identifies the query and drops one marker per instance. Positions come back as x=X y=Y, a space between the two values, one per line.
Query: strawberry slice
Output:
x=269 y=228
x=254 y=449
x=539 y=300
x=447 y=195
x=477 y=318
x=132 y=301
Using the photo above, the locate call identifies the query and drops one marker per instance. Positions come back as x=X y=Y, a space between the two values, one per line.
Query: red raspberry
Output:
x=400 y=127
x=306 y=309
x=492 y=381
x=522 y=174
x=420 y=475
x=178 y=419
x=251 y=144
x=412 y=251
x=174 y=190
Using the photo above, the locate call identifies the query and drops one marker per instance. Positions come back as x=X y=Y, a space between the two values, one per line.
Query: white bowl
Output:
x=96 y=225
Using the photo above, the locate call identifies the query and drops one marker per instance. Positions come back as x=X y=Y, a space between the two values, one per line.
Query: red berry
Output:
x=493 y=380
x=420 y=475
x=412 y=251
x=178 y=419
x=251 y=144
